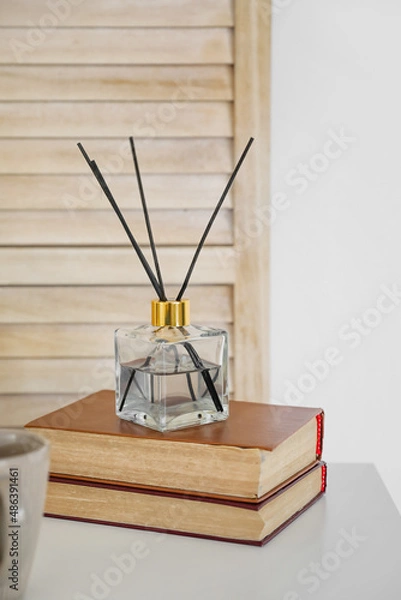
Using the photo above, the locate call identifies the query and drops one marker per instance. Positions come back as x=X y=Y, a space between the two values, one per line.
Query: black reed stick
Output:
x=196 y=359
x=101 y=181
x=147 y=220
x=212 y=218
x=127 y=387
x=133 y=379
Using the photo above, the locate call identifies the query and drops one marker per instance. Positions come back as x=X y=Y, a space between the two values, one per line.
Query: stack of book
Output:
x=240 y=480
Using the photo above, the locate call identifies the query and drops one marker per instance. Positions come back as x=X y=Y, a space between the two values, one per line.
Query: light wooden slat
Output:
x=130 y=13
x=115 y=305
x=81 y=376
x=122 y=46
x=56 y=341
x=136 y=82
x=101 y=266
x=77 y=193
x=68 y=341
x=42 y=156
x=89 y=228
x=252 y=106
x=56 y=376
x=17 y=410
x=104 y=119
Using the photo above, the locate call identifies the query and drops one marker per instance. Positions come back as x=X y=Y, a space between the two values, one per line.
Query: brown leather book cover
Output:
x=250 y=424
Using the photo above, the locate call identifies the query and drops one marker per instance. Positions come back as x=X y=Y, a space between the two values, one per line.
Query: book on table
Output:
x=258 y=448
x=219 y=517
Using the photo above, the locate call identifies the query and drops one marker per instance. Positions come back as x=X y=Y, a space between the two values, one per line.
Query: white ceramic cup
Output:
x=24 y=466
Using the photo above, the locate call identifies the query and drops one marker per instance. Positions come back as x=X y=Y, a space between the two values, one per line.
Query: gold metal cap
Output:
x=170 y=312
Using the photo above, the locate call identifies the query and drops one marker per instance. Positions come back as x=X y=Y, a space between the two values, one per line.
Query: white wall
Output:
x=336 y=243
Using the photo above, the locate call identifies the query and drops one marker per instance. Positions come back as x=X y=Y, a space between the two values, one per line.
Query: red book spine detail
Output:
x=319 y=440
x=324 y=478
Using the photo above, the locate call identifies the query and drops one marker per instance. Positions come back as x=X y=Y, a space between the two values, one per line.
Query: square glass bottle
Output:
x=171 y=374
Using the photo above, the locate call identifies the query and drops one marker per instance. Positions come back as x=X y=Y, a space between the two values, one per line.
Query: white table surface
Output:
x=72 y=556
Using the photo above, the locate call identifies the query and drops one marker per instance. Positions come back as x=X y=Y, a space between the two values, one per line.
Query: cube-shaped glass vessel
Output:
x=171 y=377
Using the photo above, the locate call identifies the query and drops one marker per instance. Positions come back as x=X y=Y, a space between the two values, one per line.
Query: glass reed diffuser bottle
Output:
x=169 y=374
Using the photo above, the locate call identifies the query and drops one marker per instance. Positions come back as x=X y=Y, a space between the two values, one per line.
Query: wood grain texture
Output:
x=113 y=266
x=105 y=304
x=191 y=84
x=91 y=228
x=16 y=410
x=55 y=375
x=116 y=83
x=167 y=155
x=82 y=192
x=53 y=340
x=56 y=341
x=113 y=119
x=130 y=13
x=252 y=75
x=102 y=46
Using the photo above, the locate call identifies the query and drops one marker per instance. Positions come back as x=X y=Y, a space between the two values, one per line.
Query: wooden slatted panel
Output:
x=44 y=156
x=129 y=13
x=165 y=73
x=113 y=119
x=74 y=193
x=55 y=375
x=104 y=304
x=89 y=228
x=56 y=341
x=135 y=82
x=113 y=266
x=99 y=46
x=65 y=341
